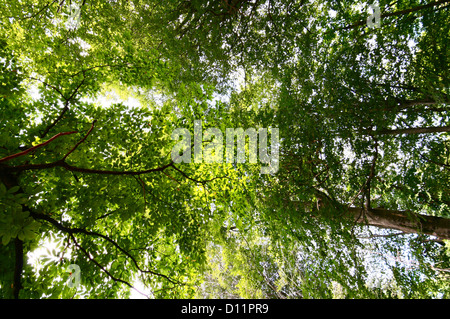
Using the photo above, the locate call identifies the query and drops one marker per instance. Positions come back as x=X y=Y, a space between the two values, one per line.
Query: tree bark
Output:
x=402 y=220
x=415 y=130
x=18 y=268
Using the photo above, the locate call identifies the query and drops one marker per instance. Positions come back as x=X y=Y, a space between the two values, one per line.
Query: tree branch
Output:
x=149 y=192
x=63 y=164
x=193 y=179
x=60 y=116
x=437 y=163
x=398 y=13
x=414 y=130
x=171 y=177
x=371 y=236
x=366 y=186
x=66 y=166
x=10 y=157
x=51 y=86
x=81 y=141
x=409 y=103
x=98 y=264
x=46 y=6
x=72 y=231
x=66 y=104
x=405 y=221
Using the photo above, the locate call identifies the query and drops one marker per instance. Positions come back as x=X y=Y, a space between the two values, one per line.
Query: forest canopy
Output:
x=353 y=98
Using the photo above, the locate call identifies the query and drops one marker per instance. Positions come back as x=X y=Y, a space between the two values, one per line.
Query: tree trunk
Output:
x=402 y=220
x=17 y=285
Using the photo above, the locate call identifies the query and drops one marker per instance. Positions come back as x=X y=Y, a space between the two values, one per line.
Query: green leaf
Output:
x=13 y=189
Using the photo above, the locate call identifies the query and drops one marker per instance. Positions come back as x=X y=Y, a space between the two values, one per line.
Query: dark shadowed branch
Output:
x=71 y=231
x=80 y=141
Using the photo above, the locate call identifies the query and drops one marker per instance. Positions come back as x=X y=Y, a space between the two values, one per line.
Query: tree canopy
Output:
x=91 y=92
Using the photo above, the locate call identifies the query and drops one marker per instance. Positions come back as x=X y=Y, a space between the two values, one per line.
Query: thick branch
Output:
x=409 y=103
x=401 y=220
x=416 y=130
x=405 y=221
x=66 y=166
x=10 y=157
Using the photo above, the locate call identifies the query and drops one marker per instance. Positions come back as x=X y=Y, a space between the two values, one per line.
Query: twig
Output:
x=171 y=178
x=51 y=86
x=60 y=116
x=66 y=104
x=46 y=6
x=431 y=161
x=97 y=263
x=81 y=141
x=143 y=190
x=193 y=179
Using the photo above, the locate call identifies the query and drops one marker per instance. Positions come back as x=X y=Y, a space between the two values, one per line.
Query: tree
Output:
x=363 y=121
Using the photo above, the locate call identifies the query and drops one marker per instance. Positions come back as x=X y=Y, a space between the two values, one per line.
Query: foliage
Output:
x=87 y=172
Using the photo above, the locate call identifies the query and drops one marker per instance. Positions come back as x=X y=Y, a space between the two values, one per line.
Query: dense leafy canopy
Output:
x=88 y=107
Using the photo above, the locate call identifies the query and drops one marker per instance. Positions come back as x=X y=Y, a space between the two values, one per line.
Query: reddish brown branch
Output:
x=63 y=164
x=171 y=177
x=10 y=157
